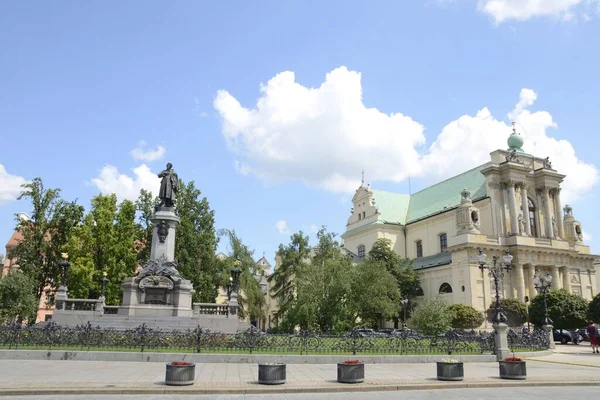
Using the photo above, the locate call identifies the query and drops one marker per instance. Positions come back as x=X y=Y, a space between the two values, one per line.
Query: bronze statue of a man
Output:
x=169 y=186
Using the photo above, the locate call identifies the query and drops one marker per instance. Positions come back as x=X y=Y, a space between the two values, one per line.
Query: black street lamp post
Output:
x=404 y=309
x=104 y=282
x=496 y=271
x=64 y=267
x=542 y=284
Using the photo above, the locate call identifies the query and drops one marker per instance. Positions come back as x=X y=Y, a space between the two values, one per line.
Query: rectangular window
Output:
x=419 y=248
x=443 y=242
x=361 y=251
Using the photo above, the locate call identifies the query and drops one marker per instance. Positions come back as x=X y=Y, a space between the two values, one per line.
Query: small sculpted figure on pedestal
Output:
x=169 y=186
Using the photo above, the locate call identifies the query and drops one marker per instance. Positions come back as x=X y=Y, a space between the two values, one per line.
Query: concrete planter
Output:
x=513 y=370
x=271 y=374
x=180 y=375
x=351 y=373
x=450 y=371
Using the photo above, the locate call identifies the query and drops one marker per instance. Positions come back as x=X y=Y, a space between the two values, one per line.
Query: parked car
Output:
x=562 y=336
x=584 y=335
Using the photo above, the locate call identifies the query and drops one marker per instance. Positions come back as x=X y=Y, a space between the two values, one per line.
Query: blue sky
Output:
x=422 y=88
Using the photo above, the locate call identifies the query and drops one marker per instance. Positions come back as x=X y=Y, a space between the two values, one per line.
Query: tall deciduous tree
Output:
x=293 y=261
x=251 y=299
x=104 y=244
x=407 y=278
x=593 y=313
x=52 y=222
x=145 y=205
x=196 y=243
x=17 y=299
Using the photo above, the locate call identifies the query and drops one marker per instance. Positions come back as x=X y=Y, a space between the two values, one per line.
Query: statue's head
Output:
x=169 y=165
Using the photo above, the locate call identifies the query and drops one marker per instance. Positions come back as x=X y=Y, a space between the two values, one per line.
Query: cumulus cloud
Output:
x=479 y=135
x=10 y=185
x=144 y=153
x=110 y=180
x=324 y=136
x=282 y=227
x=523 y=10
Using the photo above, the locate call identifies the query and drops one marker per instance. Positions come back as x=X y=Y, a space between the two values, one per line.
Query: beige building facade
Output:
x=513 y=202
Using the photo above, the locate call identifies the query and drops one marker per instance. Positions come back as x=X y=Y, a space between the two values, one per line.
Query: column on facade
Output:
x=525 y=207
x=558 y=213
x=512 y=204
x=538 y=211
x=555 y=278
x=531 y=275
x=519 y=282
x=548 y=213
x=566 y=278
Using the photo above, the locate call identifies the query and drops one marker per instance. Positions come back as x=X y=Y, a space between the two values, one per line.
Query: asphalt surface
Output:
x=524 y=393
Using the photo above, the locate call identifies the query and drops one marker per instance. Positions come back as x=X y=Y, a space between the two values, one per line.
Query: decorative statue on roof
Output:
x=547 y=163
x=169 y=186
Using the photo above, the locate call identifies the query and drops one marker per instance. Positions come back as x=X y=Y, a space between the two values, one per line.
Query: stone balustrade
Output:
x=210 y=309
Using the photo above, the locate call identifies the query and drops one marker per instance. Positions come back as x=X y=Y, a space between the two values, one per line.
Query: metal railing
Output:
x=538 y=339
x=143 y=338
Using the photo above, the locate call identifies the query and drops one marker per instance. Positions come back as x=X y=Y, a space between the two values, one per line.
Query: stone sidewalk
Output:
x=94 y=377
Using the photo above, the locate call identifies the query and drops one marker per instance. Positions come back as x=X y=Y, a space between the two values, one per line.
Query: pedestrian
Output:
x=592 y=332
x=523 y=329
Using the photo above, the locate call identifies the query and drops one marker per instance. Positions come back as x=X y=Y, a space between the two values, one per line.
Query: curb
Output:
x=563 y=362
x=283 y=389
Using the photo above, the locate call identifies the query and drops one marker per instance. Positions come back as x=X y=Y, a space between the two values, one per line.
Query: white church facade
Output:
x=510 y=203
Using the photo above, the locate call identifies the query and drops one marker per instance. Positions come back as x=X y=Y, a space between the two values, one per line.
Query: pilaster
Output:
x=558 y=212
x=525 y=208
x=512 y=204
x=566 y=278
x=555 y=278
x=520 y=282
x=548 y=213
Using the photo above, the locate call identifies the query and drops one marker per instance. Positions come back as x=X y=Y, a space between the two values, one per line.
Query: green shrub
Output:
x=465 y=317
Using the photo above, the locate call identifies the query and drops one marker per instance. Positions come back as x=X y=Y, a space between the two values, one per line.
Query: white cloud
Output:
x=467 y=142
x=144 y=153
x=322 y=136
x=110 y=180
x=523 y=10
x=325 y=136
x=10 y=185
x=282 y=227
x=587 y=237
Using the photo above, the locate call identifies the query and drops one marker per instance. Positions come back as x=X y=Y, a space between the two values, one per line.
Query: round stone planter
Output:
x=180 y=375
x=450 y=371
x=271 y=374
x=513 y=370
x=351 y=373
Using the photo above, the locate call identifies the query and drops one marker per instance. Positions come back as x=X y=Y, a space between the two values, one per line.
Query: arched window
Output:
x=443 y=241
x=419 y=248
x=445 y=288
x=532 y=221
x=419 y=292
x=361 y=251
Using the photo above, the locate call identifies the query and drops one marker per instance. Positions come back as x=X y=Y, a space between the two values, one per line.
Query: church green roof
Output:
x=392 y=206
x=445 y=195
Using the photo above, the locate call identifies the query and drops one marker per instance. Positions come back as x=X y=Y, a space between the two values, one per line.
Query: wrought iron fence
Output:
x=143 y=338
x=538 y=339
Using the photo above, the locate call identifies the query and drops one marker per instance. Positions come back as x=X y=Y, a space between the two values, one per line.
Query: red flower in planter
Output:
x=512 y=359
x=181 y=363
x=352 y=362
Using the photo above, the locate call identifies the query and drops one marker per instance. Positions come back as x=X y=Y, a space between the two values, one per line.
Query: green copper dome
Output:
x=515 y=140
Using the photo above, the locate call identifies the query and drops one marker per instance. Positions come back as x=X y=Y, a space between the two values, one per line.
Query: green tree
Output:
x=251 y=299
x=465 y=317
x=432 y=316
x=52 y=222
x=145 y=205
x=593 y=313
x=196 y=243
x=293 y=262
x=514 y=310
x=408 y=280
x=374 y=294
x=567 y=310
x=104 y=244
x=17 y=299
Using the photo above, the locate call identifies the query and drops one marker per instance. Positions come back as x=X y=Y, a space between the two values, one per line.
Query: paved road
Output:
x=525 y=393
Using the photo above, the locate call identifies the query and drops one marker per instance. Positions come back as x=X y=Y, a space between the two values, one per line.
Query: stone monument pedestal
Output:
x=501 y=341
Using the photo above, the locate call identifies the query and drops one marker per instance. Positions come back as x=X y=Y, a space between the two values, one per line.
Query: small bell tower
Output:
x=467 y=215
